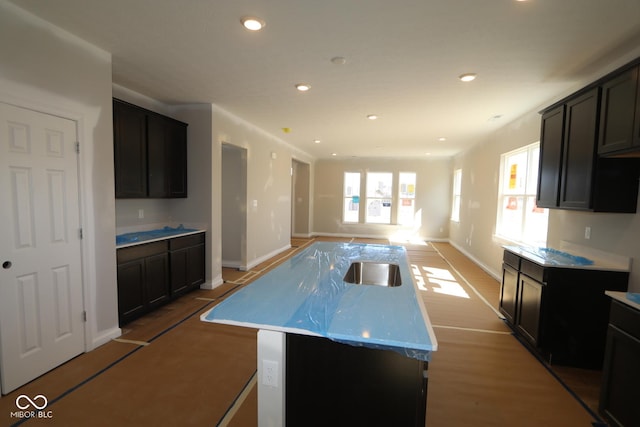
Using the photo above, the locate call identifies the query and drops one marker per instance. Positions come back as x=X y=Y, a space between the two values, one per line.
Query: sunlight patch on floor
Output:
x=440 y=280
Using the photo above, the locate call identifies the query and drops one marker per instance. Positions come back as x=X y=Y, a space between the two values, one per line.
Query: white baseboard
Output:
x=105 y=337
x=214 y=283
x=489 y=271
x=268 y=256
x=232 y=264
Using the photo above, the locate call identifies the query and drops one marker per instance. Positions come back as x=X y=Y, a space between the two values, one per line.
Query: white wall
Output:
x=433 y=197
x=268 y=183
x=49 y=70
x=234 y=206
x=474 y=235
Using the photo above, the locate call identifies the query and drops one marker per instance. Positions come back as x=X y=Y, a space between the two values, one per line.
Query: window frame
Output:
x=527 y=198
x=382 y=199
x=350 y=198
x=456 y=197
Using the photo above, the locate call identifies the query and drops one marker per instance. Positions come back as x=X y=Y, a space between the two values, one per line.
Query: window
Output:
x=379 y=188
x=351 y=208
x=407 y=198
x=519 y=219
x=457 y=190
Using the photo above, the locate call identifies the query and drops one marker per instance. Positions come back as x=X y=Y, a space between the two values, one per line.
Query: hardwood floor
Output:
x=171 y=369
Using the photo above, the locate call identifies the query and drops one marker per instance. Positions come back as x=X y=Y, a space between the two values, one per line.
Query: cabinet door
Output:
x=131 y=293
x=579 y=151
x=620 y=379
x=551 y=137
x=157 y=157
x=179 y=270
x=157 y=278
x=176 y=133
x=529 y=309
x=196 y=266
x=509 y=293
x=130 y=150
x=619 y=123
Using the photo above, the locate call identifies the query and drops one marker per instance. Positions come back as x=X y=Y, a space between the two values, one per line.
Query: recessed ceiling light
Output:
x=338 y=60
x=334 y=154
x=372 y=117
x=442 y=139
x=468 y=77
x=427 y=154
x=303 y=87
x=253 y=24
x=317 y=141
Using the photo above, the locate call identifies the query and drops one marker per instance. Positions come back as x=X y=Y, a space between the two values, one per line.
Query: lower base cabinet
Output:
x=560 y=313
x=151 y=274
x=621 y=371
x=333 y=384
x=187 y=263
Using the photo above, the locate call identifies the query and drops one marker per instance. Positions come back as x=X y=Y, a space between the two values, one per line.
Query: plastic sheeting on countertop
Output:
x=307 y=295
x=141 y=236
x=550 y=256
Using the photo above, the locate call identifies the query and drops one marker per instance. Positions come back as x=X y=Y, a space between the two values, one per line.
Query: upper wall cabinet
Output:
x=620 y=115
x=150 y=153
x=573 y=173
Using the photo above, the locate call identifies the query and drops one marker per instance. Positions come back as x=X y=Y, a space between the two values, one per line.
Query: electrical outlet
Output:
x=587 y=233
x=140 y=213
x=270 y=375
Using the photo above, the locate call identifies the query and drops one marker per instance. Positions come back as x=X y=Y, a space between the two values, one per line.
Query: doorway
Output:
x=300 y=203
x=234 y=206
x=41 y=297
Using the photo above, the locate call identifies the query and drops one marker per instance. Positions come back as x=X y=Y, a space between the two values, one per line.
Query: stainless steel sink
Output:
x=373 y=273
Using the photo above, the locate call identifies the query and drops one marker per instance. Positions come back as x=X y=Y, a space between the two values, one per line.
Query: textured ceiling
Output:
x=403 y=58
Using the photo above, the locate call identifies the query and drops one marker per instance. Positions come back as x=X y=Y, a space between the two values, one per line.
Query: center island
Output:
x=343 y=337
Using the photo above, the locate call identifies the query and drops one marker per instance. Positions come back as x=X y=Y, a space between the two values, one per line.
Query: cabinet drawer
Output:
x=186 y=241
x=533 y=270
x=625 y=318
x=511 y=259
x=141 y=251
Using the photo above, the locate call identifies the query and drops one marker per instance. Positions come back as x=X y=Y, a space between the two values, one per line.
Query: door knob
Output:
x=6 y=265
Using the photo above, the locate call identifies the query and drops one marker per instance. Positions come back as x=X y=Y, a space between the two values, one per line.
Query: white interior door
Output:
x=41 y=302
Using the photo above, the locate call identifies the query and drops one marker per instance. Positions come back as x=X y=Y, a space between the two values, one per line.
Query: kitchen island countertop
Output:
x=307 y=295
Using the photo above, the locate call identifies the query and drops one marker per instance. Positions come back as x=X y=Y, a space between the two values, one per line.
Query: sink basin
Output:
x=373 y=273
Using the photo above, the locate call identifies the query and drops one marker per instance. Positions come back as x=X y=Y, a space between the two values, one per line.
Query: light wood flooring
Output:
x=170 y=369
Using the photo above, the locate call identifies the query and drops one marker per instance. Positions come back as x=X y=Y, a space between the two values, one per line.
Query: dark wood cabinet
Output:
x=130 y=150
x=530 y=309
x=329 y=383
x=143 y=279
x=509 y=288
x=571 y=174
x=187 y=256
x=579 y=151
x=551 y=136
x=150 y=153
x=151 y=274
x=560 y=312
x=621 y=372
x=620 y=114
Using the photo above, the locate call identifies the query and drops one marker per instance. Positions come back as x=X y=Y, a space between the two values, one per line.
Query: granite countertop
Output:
x=148 y=236
x=307 y=295
x=628 y=298
x=572 y=256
